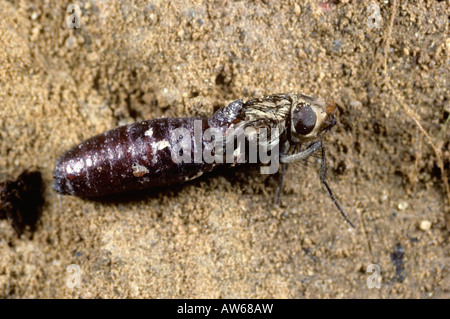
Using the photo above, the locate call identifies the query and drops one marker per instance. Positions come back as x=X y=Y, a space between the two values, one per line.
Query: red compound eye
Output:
x=304 y=119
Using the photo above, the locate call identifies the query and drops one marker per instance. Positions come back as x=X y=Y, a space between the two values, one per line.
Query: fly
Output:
x=274 y=129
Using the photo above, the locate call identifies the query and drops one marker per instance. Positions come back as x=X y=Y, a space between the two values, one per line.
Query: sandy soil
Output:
x=220 y=236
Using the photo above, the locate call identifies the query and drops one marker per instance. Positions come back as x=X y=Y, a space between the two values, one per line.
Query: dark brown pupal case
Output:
x=130 y=157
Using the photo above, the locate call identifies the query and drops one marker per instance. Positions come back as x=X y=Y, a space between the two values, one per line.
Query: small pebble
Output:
x=307 y=242
x=402 y=205
x=425 y=225
x=297 y=9
x=71 y=41
x=356 y=104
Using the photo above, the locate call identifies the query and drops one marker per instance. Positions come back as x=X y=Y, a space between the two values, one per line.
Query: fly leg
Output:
x=280 y=186
x=285 y=159
x=292 y=158
x=323 y=179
